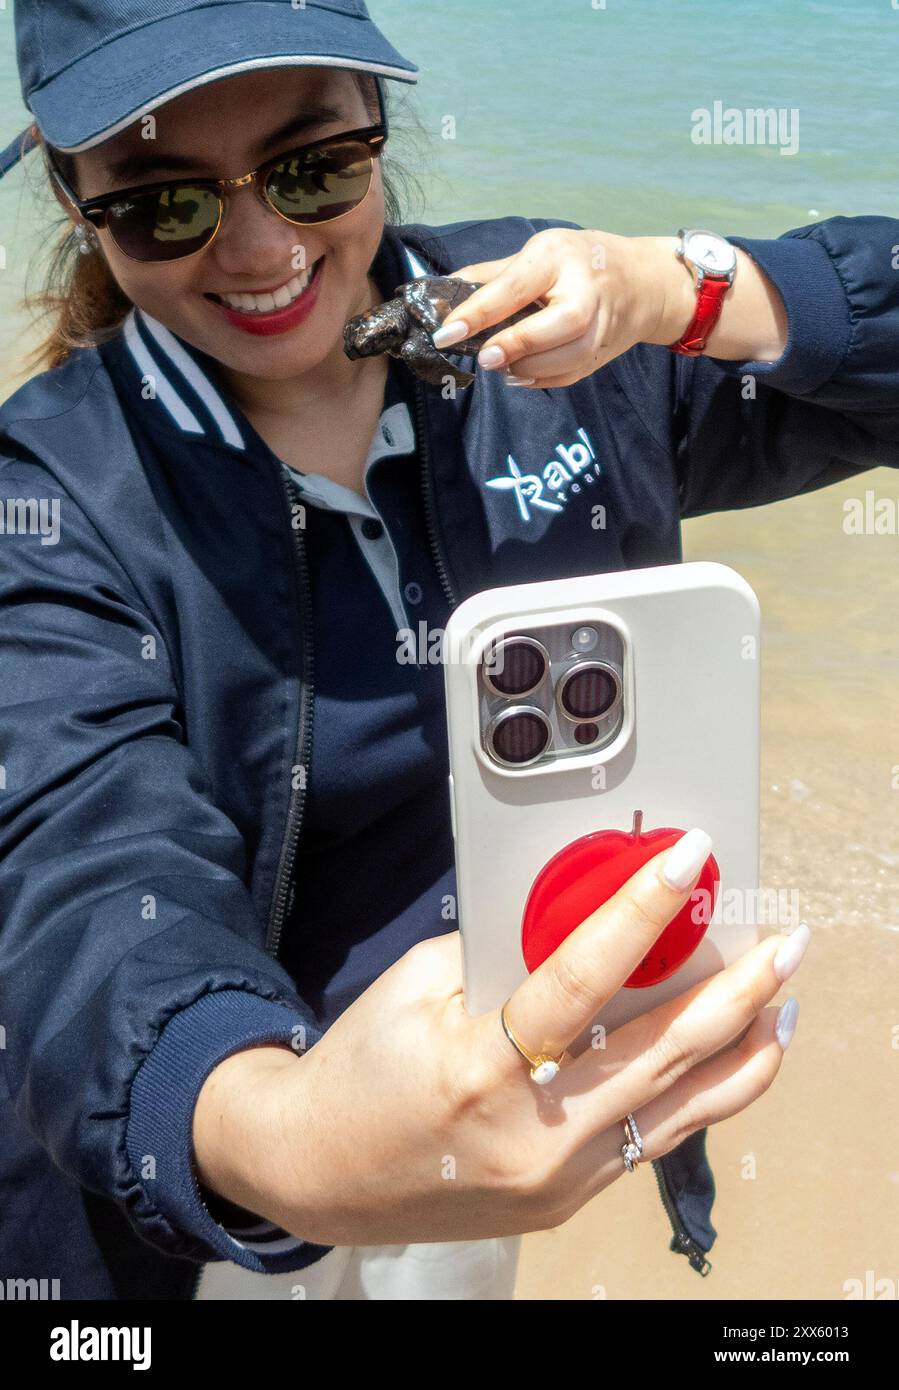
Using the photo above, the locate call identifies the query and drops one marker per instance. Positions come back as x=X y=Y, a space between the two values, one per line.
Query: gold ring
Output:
x=543 y=1067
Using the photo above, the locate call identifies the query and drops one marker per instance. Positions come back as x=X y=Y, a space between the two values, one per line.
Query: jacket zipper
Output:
x=681 y=1243
x=282 y=900
x=284 y=891
x=427 y=484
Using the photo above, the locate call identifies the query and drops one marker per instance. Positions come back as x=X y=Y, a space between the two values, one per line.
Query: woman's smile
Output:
x=275 y=311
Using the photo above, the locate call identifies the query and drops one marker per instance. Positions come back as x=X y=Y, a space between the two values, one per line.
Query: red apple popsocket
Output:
x=583 y=875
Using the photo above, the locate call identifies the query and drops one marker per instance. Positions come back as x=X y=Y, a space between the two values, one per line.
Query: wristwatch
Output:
x=713 y=263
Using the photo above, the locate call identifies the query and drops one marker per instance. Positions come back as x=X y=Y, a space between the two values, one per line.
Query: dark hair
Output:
x=81 y=296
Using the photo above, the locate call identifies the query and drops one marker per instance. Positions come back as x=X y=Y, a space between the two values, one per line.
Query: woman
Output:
x=231 y=979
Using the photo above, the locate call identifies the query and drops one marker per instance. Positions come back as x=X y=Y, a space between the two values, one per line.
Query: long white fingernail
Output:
x=785 y=1025
x=686 y=858
x=791 y=952
x=511 y=380
x=449 y=333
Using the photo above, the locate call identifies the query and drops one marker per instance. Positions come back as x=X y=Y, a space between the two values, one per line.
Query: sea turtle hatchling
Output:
x=403 y=327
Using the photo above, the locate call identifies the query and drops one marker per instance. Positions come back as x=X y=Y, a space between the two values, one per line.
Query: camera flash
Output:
x=584 y=639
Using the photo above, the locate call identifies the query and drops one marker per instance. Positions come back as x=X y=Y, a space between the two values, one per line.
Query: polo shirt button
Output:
x=372 y=529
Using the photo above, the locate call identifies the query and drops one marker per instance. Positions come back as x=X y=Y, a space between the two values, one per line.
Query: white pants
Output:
x=459 y=1269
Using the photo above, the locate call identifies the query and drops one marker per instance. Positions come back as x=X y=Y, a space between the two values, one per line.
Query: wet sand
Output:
x=823 y=1207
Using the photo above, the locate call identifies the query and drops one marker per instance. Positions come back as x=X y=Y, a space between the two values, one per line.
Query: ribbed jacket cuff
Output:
x=817 y=308
x=163 y=1097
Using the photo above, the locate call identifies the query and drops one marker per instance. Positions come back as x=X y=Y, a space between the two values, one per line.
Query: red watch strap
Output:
x=709 y=301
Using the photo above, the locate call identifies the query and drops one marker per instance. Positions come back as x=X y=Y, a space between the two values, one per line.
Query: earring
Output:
x=86 y=239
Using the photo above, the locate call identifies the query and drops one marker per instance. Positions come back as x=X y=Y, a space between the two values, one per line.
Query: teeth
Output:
x=265 y=303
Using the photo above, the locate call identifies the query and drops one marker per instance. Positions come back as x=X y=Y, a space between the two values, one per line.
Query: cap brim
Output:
x=107 y=90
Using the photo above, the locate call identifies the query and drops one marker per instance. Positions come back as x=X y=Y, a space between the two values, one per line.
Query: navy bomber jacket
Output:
x=147 y=831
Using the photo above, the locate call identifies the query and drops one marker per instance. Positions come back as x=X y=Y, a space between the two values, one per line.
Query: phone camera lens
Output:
x=586 y=733
x=515 y=666
x=518 y=735
x=589 y=690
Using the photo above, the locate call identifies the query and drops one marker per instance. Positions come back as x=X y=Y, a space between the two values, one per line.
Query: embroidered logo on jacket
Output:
x=551 y=488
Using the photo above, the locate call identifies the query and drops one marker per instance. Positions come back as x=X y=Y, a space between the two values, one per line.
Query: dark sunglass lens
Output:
x=520 y=737
x=322 y=183
x=588 y=692
x=163 y=226
x=515 y=668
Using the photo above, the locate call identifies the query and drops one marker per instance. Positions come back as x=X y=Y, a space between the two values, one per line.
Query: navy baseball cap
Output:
x=89 y=68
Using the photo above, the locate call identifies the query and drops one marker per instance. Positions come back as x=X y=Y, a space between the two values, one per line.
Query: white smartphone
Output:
x=586 y=716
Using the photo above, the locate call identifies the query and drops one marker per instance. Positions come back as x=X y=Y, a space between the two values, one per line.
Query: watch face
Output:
x=710 y=252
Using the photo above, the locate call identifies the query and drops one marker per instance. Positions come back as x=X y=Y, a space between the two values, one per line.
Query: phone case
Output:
x=686 y=753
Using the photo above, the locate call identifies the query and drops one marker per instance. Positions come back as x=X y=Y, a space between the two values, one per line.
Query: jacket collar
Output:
x=186 y=396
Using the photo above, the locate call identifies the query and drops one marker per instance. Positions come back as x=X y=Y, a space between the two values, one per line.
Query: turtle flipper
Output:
x=419 y=353
x=431 y=297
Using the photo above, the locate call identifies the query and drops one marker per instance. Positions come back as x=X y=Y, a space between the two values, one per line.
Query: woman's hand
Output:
x=412 y=1121
x=602 y=294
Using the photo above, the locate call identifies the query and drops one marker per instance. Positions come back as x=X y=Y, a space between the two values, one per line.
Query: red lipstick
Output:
x=277 y=320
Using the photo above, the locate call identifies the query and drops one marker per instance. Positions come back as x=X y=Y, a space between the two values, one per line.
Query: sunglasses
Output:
x=313 y=183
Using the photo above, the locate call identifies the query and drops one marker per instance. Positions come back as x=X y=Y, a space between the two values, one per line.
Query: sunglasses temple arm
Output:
x=78 y=204
x=379 y=83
